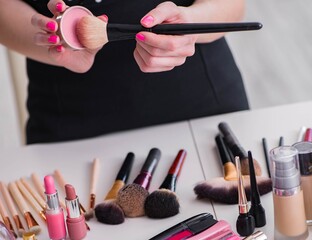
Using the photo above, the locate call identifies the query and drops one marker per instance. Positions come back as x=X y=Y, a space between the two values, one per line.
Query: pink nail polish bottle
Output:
x=54 y=212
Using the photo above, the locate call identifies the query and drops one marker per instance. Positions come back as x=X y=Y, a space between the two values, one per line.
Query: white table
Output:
x=74 y=160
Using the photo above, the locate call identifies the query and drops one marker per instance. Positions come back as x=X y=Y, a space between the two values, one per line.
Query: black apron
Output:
x=114 y=95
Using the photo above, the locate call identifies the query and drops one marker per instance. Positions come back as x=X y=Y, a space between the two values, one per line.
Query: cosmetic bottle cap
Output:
x=305 y=157
x=285 y=168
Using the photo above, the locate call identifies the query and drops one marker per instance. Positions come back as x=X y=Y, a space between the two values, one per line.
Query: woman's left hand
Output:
x=158 y=53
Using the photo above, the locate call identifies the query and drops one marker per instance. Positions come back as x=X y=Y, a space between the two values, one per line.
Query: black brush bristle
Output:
x=161 y=203
x=109 y=212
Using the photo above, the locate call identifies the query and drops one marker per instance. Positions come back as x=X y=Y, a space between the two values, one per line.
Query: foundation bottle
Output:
x=305 y=165
x=289 y=212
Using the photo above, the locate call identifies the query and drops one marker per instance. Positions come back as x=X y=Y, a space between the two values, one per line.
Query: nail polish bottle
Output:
x=289 y=212
x=305 y=165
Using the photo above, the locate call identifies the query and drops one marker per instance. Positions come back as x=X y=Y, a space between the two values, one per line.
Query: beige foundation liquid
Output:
x=305 y=164
x=289 y=211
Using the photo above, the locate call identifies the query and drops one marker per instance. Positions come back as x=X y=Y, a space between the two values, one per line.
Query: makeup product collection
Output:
x=79 y=29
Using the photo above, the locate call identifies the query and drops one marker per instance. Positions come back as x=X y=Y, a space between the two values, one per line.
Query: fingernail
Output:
x=104 y=17
x=53 y=39
x=59 y=48
x=51 y=26
x=59 y=7
x=148 y=20
x=140 y=37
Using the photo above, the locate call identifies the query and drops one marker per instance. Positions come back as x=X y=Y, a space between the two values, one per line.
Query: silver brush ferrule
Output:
x=53 y=204
x=72 y=208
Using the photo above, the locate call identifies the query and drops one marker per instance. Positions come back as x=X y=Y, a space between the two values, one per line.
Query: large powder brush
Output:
x=108 y=211
x=131 y=198
x=93 y=33
x=225 y=189
x=164 y=202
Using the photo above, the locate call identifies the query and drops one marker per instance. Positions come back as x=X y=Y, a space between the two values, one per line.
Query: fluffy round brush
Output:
x=237 y=150
x=94 y=33
x=163 y=202
x=224 y=189
x=109 y=211
x=131 y=198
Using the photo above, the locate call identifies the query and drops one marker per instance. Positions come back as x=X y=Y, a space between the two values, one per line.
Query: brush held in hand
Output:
x=93 y=33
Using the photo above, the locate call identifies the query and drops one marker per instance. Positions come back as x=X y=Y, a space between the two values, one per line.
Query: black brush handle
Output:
x=232 y=141
x=224 y=154
x=117 y=32
x=170 y=181
x=125 y=169
x=148 y=168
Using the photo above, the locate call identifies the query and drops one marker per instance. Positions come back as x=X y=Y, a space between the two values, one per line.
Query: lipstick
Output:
x=75 y=221
x=187 y=228
x=54 y=213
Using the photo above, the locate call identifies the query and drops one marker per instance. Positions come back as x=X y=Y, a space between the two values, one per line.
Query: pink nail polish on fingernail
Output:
x=59 y=48
x=59 y=7
x=51 y=26
x=53 y=39
x=148 y=20
x=104 y=17
x=140 y=37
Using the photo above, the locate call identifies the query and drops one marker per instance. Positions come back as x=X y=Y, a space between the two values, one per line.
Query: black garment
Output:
x=115 y=95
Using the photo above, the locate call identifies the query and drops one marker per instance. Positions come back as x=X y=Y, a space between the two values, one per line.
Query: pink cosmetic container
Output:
x=54 y=213
x=67 y=22
x=219 y=231
x=75 y=221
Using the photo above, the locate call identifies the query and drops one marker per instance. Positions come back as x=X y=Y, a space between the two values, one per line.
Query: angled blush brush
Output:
x=12 y=209
x=109 y=211
x=131 y=198
x=93 y=33
x=94 y=176
x=225 y=189
x=163 y=202
x=237 y=149
x=32 y=224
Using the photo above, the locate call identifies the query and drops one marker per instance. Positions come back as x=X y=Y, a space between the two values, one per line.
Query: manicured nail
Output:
x=53 y=39
x=59 y=48
x=148 y=20
x=104 y=17
x=51 y=26
x=140 y=37
x=59 y=7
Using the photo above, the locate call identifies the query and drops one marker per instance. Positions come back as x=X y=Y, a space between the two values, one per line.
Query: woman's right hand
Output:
x=77 y=61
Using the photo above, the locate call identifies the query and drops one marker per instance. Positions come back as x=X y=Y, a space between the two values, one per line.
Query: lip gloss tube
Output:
x=75 y=221
x=54 y=213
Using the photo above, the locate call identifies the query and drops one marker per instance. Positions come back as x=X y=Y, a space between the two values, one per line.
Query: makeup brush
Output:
x=32 y=201
x=38 y=184
x=163 y=202
x=256 y=209
x=245 y=223
x=109 y=211
x=32 y=224
x=266 y=155
x=12 y=209
x=237 y=150
x=93 y=33
x=6 y=219
x=224 y=189
x=94 y=176
x=131 y=198
x=33 y=192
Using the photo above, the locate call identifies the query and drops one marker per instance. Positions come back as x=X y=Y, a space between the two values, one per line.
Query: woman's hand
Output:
x=76 y=61
x=157 y=53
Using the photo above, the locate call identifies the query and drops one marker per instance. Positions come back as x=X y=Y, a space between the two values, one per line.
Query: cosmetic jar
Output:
x=305 y=165
x=67 y=22
x=289 y=212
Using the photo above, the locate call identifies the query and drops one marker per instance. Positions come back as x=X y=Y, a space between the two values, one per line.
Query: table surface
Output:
x=74 y=160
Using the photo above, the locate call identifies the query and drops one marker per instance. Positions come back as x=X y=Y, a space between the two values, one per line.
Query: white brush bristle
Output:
x=91 y=32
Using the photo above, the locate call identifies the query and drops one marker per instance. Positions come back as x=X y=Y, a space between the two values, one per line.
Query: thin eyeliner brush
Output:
x=266 y=155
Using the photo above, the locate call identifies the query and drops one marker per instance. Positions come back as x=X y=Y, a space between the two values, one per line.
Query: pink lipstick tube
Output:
x=54 y=213
x=75 y=221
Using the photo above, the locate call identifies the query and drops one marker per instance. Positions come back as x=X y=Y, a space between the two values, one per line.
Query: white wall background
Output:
x=276 y=63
